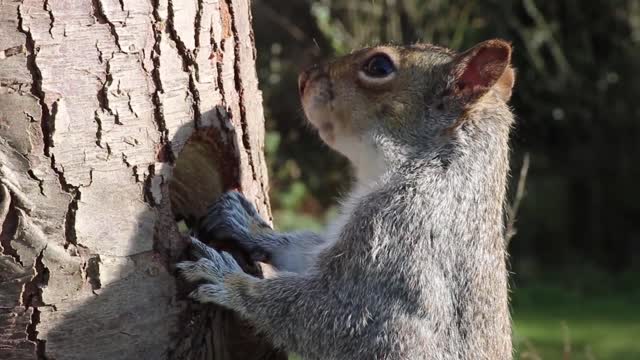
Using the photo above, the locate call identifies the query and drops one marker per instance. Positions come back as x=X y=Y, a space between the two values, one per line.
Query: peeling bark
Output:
x=116 y=118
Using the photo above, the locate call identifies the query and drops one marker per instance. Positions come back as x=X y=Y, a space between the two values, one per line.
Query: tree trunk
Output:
x=116 y=118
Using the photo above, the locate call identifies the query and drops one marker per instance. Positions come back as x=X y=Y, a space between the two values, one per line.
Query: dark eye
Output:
x=379 y=66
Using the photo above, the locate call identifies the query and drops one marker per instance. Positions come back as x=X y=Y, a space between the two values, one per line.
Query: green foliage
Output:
x=577 y=78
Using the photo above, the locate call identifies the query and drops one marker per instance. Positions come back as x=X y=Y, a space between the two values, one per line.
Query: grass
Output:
x=554 y=323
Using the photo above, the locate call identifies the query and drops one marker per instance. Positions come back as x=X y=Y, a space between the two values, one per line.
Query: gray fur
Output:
x=233 y=216
x=413 y=268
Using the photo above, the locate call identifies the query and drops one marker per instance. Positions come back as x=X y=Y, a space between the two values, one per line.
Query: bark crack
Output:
x=40 y=181
x=32 y=298
x=136 y=174
x=70 y=216
x=189 y=64
x=166 y=152
x=60 y=173
x=9 y=52
x=98 y=120
x=109 y=151
x=240 y=89
x=8 y=224
x=125 y=161
x=103 y=95
x=197 y=23
x=131 y=106
x=52 y=19
x=218 y=50
x=47 y=118
x=101 y=17
x=70 y=235
x=99 y=53
x=148 y=183
x=91 y=272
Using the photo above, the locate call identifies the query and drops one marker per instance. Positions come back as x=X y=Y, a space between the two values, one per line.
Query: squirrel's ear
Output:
x=485 y=66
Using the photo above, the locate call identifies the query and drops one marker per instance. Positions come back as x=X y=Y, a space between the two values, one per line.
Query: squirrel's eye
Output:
x=379 y=66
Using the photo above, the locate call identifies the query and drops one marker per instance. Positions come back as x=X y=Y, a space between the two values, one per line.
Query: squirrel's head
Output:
x=397 y=95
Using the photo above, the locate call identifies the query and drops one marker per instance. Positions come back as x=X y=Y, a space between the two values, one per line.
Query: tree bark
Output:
x=116 y=118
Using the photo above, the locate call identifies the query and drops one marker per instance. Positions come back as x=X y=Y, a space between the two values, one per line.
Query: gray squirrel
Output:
x=414 y=266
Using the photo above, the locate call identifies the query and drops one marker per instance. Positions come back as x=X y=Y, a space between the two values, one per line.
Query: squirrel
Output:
x=414 y=266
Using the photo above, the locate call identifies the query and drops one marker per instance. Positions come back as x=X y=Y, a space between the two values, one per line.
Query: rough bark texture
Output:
x=99 y=101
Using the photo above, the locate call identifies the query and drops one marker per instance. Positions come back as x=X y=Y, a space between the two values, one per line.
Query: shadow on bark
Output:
x=206 y=165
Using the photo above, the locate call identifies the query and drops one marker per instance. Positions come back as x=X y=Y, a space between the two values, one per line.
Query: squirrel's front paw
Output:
x=212 y=267
x=233 y=217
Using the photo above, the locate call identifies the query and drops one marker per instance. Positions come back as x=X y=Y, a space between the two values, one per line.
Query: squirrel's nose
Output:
x=304 y=77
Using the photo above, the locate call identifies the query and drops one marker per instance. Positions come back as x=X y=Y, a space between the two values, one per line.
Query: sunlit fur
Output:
x=355 y=116
x=414 y=265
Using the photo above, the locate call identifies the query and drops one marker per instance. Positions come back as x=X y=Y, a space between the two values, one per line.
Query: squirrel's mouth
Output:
x=317 y=96
x=314 y=86
x=318 y=114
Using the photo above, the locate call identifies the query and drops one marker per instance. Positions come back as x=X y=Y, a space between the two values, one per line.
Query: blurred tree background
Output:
x=576 y=254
